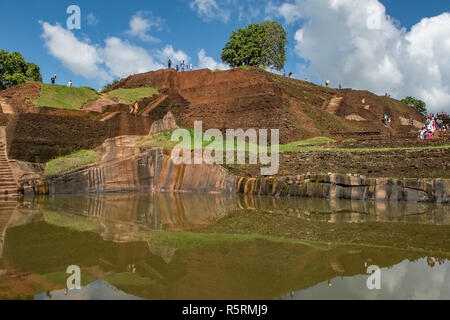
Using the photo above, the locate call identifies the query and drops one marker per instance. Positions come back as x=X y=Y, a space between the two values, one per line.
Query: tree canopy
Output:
x=417 y=104
x=15 y=70
x=260 y=44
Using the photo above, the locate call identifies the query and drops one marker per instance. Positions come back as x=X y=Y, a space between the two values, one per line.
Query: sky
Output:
x=400 y=47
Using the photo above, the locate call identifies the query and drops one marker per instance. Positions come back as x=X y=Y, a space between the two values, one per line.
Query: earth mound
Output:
x=258 y=99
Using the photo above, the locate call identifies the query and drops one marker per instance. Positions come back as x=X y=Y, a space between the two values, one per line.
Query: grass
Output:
x=132 y=95
x=245 y=68
x=72 y=222
x=56 y=96
x=127 y=279
x=70 y=162
x=297 y=145
x=349 y=140
x=191 y=240
x=163 y=140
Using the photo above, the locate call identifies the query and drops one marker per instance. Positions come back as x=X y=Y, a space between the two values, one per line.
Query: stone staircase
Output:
x=109 y=116
x=154 y=105
x=8 y=184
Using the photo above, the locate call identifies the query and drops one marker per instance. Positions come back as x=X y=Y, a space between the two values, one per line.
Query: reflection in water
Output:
x=354 y=211
x=98 y=290
x=405 y=280
x=42 y=236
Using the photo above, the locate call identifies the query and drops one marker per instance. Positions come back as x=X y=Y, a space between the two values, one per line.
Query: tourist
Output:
x=290 y=75
x=69 y=84
x=136 y=108
x=54 y=79
x=131 y=109
x=192 y=67
x=284 y=73
x=178 y=69
x=169 y=63
x=422 y=133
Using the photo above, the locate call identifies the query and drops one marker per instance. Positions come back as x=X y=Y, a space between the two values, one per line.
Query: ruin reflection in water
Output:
x=35 y=252
x=176 y=212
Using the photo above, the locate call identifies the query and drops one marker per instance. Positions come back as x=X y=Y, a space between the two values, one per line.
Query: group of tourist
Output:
x=432 y=125
x=53 y=80
x=134 y=108
x=182 y=67
x=386 y=120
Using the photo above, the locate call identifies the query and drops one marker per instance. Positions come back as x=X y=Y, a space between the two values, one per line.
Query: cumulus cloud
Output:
x=140 y=25
x=288 y=11
x=209 y=63
x=117 y=58
x=170 y=53
x=80 y=57
x=355 y=43
x=122 y=58
x=209 y=9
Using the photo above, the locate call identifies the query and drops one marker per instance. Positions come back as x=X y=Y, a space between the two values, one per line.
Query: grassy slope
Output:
x=57 y=96
x=131 y=95
x=71 y=161
x=162 y=140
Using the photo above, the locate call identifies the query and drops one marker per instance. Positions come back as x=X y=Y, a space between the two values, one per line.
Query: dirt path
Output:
x=334 y=105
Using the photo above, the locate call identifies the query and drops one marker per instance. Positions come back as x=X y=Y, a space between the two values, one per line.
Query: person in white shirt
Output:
x=69 y=84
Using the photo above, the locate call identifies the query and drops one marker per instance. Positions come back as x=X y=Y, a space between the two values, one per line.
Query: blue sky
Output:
x=328 y=39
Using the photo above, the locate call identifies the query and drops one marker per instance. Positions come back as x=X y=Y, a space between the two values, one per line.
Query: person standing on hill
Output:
x=178 y=69
x=136 y=108
x=69 y=84
x=191 y=67
x=54 y=79
x=169 y=63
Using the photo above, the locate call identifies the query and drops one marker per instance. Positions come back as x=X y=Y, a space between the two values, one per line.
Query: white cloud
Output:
x=355 y=43
x=140 y=26
x=169 y=53
x=288 y=11
x=209 y=63
x=117 y=58
x=122 y=58
x=209 y=9
x=80 y=57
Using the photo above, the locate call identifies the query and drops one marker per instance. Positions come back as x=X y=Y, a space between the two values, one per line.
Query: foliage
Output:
x=71 y=162
x=417 y=104
x=15 y=70
x=132 y=95
x=261 y=44
x=109 y=85
x=57 y=96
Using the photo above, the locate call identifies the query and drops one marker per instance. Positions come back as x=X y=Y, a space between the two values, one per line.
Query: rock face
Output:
x=335 y=186
x=166 y=124
x=152 y=170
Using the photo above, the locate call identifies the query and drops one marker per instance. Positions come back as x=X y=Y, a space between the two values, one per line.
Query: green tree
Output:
x=417 y=104
x=260 y=44
x=15 y=70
